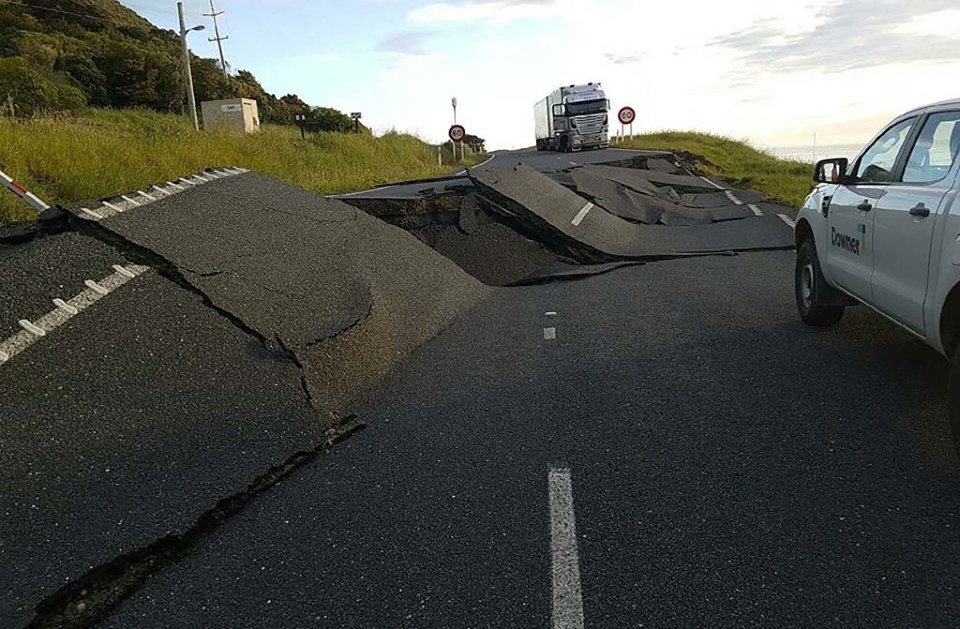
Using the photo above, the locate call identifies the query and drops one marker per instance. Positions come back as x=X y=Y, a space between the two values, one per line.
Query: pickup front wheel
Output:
x=807 y=281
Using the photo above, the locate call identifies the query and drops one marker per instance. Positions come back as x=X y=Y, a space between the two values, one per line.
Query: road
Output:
x=542 y=161
x=662 y=445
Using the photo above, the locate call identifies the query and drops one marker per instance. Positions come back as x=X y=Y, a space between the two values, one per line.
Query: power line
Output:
x=216 y=29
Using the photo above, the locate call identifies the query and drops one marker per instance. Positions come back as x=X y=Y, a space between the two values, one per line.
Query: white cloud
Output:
x=654 y=57
x=475 y=10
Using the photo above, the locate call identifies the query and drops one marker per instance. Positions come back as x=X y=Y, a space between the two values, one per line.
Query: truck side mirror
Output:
x=558 y=110
x=831 y=170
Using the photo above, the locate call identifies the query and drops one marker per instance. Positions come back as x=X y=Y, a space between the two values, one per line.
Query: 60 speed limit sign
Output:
x=627 y=115
x=457 y=133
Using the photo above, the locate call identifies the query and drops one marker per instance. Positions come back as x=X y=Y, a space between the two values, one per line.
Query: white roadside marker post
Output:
x=33 y=200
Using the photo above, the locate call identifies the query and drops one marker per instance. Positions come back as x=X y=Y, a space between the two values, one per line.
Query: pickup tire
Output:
x=808 y=281
x=953 y=397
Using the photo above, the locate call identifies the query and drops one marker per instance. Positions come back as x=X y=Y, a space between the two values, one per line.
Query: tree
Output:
x=476 y=144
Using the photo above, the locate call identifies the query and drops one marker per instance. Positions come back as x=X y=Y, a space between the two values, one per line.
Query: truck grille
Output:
x=590 y=124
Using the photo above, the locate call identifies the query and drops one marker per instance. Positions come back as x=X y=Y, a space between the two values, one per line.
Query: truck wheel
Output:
x=807 y=280
x=953 y=397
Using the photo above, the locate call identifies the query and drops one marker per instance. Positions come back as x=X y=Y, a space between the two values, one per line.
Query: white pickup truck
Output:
x=884 y=230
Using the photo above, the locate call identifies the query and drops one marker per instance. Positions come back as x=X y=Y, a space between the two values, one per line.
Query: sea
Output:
x=811 y=154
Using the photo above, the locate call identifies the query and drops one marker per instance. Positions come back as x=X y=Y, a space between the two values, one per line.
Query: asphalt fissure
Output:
x=81 y=603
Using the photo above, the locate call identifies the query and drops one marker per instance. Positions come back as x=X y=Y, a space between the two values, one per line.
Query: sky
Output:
x=775 y=72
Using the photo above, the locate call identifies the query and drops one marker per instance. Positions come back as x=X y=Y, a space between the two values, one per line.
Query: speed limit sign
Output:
x=457 y=133
x=627 y=115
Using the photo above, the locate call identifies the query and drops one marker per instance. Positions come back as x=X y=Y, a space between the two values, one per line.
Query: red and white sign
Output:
x=627 y=115
x=457 y=133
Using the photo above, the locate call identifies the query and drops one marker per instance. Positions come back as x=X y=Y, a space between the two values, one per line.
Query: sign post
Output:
x=626 y=116
x=457 y=134
x=356 y=121
x=301 y=119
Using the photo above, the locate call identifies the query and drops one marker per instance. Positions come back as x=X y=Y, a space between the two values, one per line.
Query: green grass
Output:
x=783 y=181
x=106 y=152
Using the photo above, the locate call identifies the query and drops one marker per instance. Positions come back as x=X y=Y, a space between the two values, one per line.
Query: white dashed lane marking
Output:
x=733 y=197
x=789 y=221
x=581 y=214
x=757 y=211
x=66 y=310
x=567 y=609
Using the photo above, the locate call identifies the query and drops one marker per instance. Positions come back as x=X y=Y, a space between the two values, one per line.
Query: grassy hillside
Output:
x=783 y=181
x=106 y=152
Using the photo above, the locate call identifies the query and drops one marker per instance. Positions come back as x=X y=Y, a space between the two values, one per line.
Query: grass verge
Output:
x=106 y=152
x=783 y=181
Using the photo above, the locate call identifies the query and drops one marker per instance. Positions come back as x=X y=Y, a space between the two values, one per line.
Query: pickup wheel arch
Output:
x=802 y=232
x=950 y=321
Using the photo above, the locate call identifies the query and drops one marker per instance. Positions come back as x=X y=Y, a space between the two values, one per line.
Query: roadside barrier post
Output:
x=33 y=200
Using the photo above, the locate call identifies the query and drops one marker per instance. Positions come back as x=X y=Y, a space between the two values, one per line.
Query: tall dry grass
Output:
x=106 y=152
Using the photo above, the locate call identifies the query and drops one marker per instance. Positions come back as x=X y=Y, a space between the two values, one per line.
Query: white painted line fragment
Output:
x=123 y=271
x=733 y=197
x=567 y=596
x=96 y=287
x=789 y=221
x=712 y=184
x=31 y=328
x=144 y=194
x=176 y=185
x=67 y=308
x=549 y=334
x=757 y=211
x=187 y=181
x=91 y=213
x=113 y=207
x=4 y=357
x=581 y=214
x=130 y=201
x=551 y=313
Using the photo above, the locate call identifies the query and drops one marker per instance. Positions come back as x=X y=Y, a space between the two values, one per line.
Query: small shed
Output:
x=238 y=115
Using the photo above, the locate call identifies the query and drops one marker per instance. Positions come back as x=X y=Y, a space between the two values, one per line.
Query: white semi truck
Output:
x=884 y=230
x=573 y=118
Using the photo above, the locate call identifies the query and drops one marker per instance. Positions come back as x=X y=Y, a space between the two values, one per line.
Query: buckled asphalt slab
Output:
x=563 y=214
x=347 y=294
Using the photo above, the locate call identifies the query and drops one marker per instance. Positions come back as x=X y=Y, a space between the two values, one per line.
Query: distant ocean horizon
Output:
x=811 y=154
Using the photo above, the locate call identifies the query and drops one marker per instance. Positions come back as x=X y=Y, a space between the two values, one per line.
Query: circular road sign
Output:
x=457 y=133
x=627 y=115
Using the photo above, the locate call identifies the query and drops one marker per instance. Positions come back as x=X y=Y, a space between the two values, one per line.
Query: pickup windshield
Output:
x=587 y=107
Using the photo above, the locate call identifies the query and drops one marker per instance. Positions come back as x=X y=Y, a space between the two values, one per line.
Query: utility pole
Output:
x=216 y=29
x=188 y=75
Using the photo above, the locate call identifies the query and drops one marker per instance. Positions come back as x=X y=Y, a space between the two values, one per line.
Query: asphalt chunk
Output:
x=346 y=294
x=562 y=216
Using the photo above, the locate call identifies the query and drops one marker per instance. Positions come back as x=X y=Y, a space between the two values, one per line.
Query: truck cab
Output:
x=884 y=230
x=573 y=118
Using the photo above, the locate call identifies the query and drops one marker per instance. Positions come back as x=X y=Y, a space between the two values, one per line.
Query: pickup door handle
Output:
x=921 y=210
x=865 y=206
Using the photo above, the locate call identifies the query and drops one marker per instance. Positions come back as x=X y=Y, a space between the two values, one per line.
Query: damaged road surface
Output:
x=660 y=442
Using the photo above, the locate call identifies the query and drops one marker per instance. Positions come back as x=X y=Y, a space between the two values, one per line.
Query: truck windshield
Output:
x=587 y=107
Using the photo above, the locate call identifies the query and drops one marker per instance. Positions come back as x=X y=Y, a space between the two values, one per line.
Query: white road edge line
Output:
x=581 y=214
x=733 y=197
x=789 y=221
x=549 y=334
x=567 y=609
x=718 y=187
x=65 y=310
x=757 y=211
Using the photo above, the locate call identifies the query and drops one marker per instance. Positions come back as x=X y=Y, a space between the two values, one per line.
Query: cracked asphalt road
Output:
x=730 y=467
